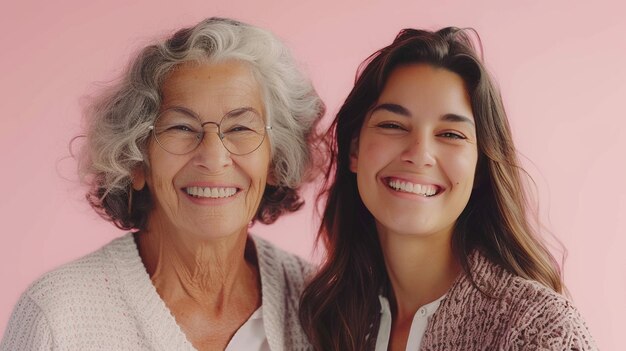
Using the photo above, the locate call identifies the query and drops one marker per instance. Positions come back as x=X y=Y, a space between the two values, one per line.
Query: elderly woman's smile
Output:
x=208 y=192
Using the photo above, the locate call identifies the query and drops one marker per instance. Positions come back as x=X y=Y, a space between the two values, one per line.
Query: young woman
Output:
x=426 y=222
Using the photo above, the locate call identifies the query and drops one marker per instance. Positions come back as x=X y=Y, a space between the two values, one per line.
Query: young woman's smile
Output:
x=409 y=186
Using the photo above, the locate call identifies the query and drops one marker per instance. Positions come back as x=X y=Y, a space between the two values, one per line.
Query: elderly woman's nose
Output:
x=419 y=150
x=211 y=153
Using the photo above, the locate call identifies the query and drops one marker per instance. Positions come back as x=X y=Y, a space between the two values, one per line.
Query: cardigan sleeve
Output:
x=559 y=326
x=28 y=328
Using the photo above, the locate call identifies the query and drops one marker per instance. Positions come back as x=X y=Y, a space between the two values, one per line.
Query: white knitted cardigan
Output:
x=106 y=301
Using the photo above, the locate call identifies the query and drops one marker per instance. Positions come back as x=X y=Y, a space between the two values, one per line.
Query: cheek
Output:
x=161 y=184
x=374 y=154
x=163 y=170
x=258 y=174
x=256 y=168
x=462 y=169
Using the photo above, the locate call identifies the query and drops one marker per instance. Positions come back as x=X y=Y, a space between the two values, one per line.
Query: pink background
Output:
x=560 y=65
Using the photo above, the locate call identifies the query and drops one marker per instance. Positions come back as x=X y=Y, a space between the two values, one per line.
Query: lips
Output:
x=210 y=192
x=426 y=190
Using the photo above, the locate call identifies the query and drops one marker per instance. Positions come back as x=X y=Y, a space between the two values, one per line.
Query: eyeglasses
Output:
x=179 y=131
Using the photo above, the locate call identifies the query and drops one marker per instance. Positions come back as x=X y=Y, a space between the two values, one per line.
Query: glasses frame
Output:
x=219 y=133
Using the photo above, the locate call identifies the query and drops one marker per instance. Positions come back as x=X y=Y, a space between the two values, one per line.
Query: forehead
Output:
x=427 y=90
x=211 y=89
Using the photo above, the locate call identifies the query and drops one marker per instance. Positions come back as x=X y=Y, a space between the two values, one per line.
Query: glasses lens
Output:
x=243 y=131
x=177 y=132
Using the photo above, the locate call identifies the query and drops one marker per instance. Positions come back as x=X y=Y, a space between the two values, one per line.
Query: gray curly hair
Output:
x=117 y=132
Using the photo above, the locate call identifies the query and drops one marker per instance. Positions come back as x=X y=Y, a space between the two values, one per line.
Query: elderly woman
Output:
x=207 y=132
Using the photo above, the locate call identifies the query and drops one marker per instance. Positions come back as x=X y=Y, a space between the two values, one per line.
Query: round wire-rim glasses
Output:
x=180 y=131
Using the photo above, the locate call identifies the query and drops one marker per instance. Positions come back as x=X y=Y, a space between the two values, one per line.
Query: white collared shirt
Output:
x=418 y=326
x=251 y=335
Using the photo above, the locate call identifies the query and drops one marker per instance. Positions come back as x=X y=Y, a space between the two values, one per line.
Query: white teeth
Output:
x=213 y=193
x=419 y=189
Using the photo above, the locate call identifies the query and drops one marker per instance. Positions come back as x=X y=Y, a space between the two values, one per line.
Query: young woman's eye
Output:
x=451 y=135
x=390 y=126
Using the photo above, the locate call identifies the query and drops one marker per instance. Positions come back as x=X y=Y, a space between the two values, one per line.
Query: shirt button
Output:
x=422 y=311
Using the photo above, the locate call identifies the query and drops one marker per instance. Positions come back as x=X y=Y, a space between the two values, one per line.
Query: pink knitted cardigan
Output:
x=525 y=315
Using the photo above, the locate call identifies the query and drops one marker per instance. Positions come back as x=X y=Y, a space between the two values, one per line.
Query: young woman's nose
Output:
x=419 y=150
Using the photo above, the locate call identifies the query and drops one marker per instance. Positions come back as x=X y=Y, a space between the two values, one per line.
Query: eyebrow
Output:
x=241 y=110
x=393 y=108
x=451 y=117
x=403 y=111
x=232 y=113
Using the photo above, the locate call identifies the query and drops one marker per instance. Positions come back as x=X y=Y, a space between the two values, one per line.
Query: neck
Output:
x=421 y=269
x=213 y=272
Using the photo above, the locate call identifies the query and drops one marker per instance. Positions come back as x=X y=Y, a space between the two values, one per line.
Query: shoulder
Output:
x=518 y=295
x=545 y=318
x=283 y=278
x=530 y=315
x=65 y=300
x=83 y=280
x=28 y=328
x=293 y=267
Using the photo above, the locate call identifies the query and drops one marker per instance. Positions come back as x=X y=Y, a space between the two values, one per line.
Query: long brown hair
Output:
x=339 y=310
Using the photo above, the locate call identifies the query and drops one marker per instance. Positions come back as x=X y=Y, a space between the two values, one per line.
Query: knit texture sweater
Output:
x=524 y=315
x=106 y=301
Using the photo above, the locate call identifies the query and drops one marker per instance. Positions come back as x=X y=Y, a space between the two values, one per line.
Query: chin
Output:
x=414 y=227
x=213 y=231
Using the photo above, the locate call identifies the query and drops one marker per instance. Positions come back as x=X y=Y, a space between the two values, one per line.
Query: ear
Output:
x=138 y=175
x=271 y=179
x=271 y=175
x=354 y=154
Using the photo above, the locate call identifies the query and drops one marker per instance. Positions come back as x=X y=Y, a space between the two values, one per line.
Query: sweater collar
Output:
x=486 y=277
x=157 y=319
x=143 y=299
x=273 y=288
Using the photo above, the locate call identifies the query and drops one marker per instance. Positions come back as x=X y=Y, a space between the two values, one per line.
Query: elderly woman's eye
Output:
x=238 y=129
x=181 y=128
